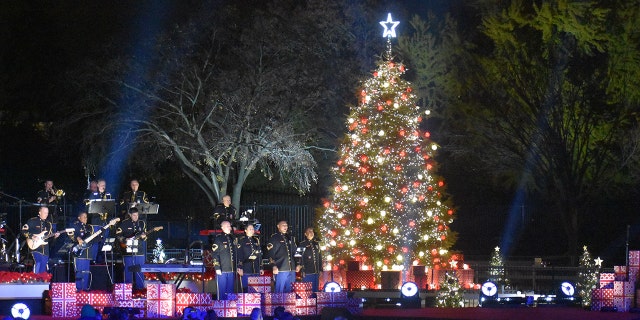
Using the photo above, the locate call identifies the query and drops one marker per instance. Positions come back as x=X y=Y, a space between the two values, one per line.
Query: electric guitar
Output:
x=123 y=241
x=40 y=238
x=78 y=249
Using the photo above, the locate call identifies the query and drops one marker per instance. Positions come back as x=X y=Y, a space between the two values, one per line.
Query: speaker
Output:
x=330 y=313
x=100 y=277
x=390 y=280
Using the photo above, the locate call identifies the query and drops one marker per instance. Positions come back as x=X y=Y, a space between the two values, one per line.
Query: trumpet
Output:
x=59 y=193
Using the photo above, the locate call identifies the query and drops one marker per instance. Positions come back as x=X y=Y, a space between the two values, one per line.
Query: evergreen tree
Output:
x=388 y=208
x=450 y=293
x=587 y=276
x=158 y=252
x=496 y=271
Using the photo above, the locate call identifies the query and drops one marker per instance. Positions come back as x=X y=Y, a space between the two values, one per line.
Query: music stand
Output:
x=102 y=206
x=66 y=249
x=108 y=247
x=147 y=208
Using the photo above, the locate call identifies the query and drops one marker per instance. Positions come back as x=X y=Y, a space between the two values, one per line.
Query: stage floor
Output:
x=515 y=313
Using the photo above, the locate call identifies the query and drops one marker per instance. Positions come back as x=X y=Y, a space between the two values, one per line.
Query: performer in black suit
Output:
x=100 y=219
x=224 y=251
x=249 y=256
x=81 y=261
x=311 y=264
x=224 y=211
x=282 y=249
x=132 y=197
x=133 y=228
x=35 y=229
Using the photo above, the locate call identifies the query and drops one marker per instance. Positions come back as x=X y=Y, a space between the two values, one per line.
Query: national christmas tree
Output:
x=588 y=273
x=388 y=208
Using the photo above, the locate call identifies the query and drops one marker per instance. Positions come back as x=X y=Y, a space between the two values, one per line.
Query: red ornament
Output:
x=340 y=245
x=338 y=189
x=384 y=228
x=436 y=218
x=368 y=184
x=386 y=151
x=416 y=133
x=403 y=154
x=364 y=120
x=326 y=204
x=335 y=268
x=398 y=167
x=334 y=233
x=421 y=197
x=404 y=189
x=429 y=166
x=363 y=203
x=363 y=93
x=440 y=227
x=401 y=132
x=417 y=149
x=398 y=206
x=375 y=74
x=409 y=89
x=341 y=262
x=364 y=158
x=402 y=67
x=442 y=237
x=389 y=102
x=434 y=252
x=380 y=107
x=364 y=130
x=430 y=188
x=343 y=222
x=386 y=261
x=358 y=215
x=390 y=64
x=340 y=162
x=390 y=249
x=416 y=184
x=440 y=183
x=405 y=249
x=404 y=96
x=341 y=170
x=420 y=119
x=412 y=223
x=356 y=230
x=449 y=212
x=427 y=134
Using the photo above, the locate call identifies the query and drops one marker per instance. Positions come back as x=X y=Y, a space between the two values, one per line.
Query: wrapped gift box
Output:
x=65 y=309
x=302 y=289
x=261 y=284
x=620 y=273
x=200 y=301
x=160 y=308
x=596 y=305
x=140 y=304
x=623 y=304
x=96 y=299
x=331 y=299
x=161 y=301
x=354 y=305
x=634 y=258
x=606 y=280
x=122 y=291
x=306 y=307
x=63 y=300
x=602 y=294
x=273 y=300
x=335 y=276
x=623 y=289
x=246 y=302
x=361 y=279
x=161 y=291
x=225 y=308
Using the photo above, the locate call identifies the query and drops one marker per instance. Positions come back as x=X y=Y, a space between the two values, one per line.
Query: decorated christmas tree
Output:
x=158 y=252
x=587 y=276
x=496 y=272
x=388 y=208
x=450 y=293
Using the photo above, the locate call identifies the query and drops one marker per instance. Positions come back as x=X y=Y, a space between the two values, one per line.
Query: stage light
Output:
x=409 y=289
x=488 y=293
x=20 y=310
x=567 y=289
x=409 y=295
x=332 y=287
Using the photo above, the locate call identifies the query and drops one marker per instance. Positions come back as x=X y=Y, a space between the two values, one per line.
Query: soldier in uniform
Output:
x=36 y=229
x=132 y=197
x=99 y=219
x=224 y=211
x=134 y=228
x=249 y=256
x=81 y=261
x=282 y=248
x=311 y=263
x=224 y=254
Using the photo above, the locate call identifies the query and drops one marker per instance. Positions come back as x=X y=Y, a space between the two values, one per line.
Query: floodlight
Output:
x=332 y=287
x=20 y=310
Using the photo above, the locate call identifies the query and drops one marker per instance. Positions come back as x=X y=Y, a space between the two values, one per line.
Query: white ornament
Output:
x=389 y=27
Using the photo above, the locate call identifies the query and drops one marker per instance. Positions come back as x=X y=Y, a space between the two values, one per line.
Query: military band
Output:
x=311 y=260
x=282 y=248
x=37 y=230
x=82 y=259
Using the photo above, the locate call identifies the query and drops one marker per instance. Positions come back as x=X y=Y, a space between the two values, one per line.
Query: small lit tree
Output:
x=496 y=271
x=450 y=293
x=158 y=252
x=587 y=276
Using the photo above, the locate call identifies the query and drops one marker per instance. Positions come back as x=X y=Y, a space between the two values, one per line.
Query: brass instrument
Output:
x=59 y=193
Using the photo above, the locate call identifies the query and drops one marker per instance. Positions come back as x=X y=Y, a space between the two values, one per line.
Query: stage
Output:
x=519 y=313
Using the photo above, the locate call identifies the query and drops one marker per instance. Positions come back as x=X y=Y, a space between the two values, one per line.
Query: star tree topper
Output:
x=389 y=27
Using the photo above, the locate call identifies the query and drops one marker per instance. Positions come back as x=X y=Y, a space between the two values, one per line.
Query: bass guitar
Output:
x=78 y=249
x=40 y=238
x=123 y=241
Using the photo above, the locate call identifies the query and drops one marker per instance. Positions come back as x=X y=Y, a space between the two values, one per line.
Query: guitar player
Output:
x=36 y=229
x=132 y=228
x=82 y=262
